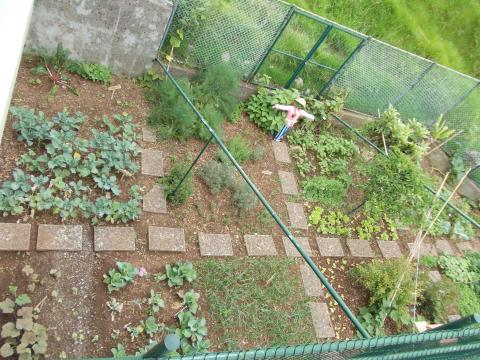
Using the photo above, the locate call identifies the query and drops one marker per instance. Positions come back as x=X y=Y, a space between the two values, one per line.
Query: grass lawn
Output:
x=255 y=301
x=445 y=31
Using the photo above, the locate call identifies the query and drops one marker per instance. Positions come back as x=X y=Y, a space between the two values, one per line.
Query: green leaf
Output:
x=7 y=306
x=6 y=350
x=23 y=299
x=9 y=330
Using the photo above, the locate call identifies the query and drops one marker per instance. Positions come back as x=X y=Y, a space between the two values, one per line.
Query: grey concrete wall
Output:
x=124 y=35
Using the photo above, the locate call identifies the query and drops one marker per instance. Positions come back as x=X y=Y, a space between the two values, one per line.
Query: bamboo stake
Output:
x=446 y=141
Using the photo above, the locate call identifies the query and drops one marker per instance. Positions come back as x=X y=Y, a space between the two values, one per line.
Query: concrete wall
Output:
x=124 y=35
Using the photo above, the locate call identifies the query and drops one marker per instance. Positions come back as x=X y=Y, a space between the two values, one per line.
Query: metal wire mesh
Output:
x=235 y=31
x=378 y=75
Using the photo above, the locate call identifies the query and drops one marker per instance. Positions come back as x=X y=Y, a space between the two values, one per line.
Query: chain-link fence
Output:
x=295 y=48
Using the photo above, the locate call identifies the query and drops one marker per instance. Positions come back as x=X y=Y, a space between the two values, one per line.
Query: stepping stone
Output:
x=154 y=201
x=114 y=238
x=260 y=245
x=321 y=320
x=148 y=135
x=434 y=276
x=215 y=244
x=59 y=237
x=425 y=249
x=330 y=247
x=152 y=162
x=312 y=284
x=14 y=237
x=475 y=245
x=297 y=216
x=465 y=246
x=292 y=250
x=280 y=151
x=288 y=182
x=444 y=247
x=166 y=239
x=360 y=248
x=452 y=318
x=389 y=249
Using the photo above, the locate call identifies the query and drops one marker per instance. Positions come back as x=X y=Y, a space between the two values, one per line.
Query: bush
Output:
x=217 y=175
x=241 y=150
x=171 y=181
x=395 y=188
x=91 y=71
x=219 y=86
x=456 y=268
x=243 y=198
x=410 y=138
x=468 y=301
x=329 y=192
x=429 y=261
x=440 y=300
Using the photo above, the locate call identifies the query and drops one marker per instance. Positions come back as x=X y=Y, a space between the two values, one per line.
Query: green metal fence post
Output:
x=168 y=345
x=281 y=28
x=169 y=22
x=340 y=70
x=267 y=206
x=312 y=51
x=192 y=165
x=412 y=85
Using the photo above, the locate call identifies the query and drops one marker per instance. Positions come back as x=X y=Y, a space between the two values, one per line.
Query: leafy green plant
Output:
x=440 y=130
x=440 y=300
x=91 y=71
x=332 y=222
x=155 y=302
x=367 y=228
x=190 y=299
x=327 y=191
x=50 y=180
x=118 y=278
x=456 y=268
x=118 y=351
x=241 y=150
x=429 y=261
x=192 y=333
x=468 y=301
x=171 y=181
x=23 y=337
x=178 y=273
x=395 y=188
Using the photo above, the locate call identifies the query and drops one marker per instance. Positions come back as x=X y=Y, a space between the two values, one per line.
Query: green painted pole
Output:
x=313 y=62
x=312 y=51
x=339 y=346
x=283 y=25
x=347 y=61
x=441 y=197
x=192 y=166
x=168 y=345
x=264 y=202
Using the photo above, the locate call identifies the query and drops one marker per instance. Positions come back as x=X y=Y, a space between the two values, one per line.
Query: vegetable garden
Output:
x=197 y=246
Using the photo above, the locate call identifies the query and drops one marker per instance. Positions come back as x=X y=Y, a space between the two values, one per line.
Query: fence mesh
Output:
x=278 y=36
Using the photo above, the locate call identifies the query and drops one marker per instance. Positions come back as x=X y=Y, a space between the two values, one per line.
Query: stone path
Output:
x=389 y=249
x=215 y=244
x=288 y=182
x=14 y=237
x=321 y=320
x=297 y=216
x=280 y=152
x=444 y=247
x=166 y=239
x=292 y=250
x=330 y=247
x=148 y=135
x=114 y=238
x=260 y=245
x=425 y=249
x=312 y=284
x=152 y=162
x=434 y=275
x=154 y=201
x=360 y=248
x=60 y=237
x=465 y=246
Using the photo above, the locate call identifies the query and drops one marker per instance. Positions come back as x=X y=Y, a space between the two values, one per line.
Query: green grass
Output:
x=445 y=31
x=255 y=302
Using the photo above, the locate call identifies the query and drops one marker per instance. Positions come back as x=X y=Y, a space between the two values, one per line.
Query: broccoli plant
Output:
x=176 y=274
